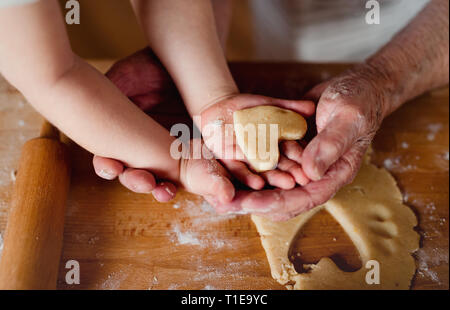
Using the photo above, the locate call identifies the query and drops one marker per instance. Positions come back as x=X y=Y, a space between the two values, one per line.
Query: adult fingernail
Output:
x=107 y=174
x=319 y=168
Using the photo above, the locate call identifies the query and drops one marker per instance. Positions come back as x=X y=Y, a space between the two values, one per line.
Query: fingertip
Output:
x=242 y=173
x=310 y=108
x=256 y=182
x=107 y=168
x=164 y=192
x=279 y=179
x=138 y=181
x=287 y=183
x=227 y=191
x=312 y=172
x=314 y=169
x=310 y=162
x=292 y=150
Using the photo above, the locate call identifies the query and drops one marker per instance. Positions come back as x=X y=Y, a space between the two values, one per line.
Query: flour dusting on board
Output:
x=5 y=176
x=428 y=259
x=114 y=281
x=185 y=237
x=427 y=262
x=433 y=129
x=201 y=215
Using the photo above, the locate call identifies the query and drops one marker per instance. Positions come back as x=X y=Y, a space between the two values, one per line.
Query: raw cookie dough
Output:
x=291 y=126
x=381 y=227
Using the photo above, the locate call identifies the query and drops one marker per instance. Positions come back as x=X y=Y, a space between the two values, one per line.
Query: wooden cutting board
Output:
x=124 y=240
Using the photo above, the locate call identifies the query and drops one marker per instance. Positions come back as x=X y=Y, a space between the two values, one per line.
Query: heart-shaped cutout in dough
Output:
x=258 y=131
x=323 y=236
x=381 y=227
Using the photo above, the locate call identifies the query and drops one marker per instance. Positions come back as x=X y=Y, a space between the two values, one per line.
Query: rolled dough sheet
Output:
x=371 y=212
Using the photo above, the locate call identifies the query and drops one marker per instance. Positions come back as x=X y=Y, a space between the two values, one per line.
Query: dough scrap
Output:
x=291 y=126
x=371 y=212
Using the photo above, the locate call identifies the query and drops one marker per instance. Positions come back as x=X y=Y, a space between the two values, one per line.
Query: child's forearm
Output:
x=35 y=57
x=223 y=10
x=183 y=34
x=94 y=113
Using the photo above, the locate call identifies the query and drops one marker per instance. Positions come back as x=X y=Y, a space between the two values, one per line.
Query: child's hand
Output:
x=137 y=180
x=288 y=172
x=143 y=79
x=205 y=177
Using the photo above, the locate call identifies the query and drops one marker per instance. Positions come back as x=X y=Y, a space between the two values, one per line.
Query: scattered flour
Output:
x=430 y=215
x=209 y=288
x=390 y=163
x=201 y=216
x=185 y=237
x=114 y=281
x=405 y=145
x=333 y=96
x=5 y=176
x=433 y=129
x=194 y=238
x=92 y=240
x=173 y=286
x=428 y=261
x=395 y=164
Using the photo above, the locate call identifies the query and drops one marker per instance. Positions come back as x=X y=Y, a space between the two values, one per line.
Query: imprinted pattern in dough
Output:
x=371 y=212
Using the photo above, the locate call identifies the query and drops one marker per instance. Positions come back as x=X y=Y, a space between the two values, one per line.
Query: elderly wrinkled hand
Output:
x=350 y=109
x=218 y=133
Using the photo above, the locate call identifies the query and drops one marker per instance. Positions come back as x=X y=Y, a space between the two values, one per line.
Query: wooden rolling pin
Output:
x=34 y=231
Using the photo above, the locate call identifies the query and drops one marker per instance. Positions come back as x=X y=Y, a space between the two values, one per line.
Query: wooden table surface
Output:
x=124 y=240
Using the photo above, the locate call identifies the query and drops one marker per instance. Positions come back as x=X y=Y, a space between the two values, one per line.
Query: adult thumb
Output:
x=338 y=135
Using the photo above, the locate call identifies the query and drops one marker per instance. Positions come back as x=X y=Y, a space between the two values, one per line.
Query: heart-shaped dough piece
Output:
x=258 y=131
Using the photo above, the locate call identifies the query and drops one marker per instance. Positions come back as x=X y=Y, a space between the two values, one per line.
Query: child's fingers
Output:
x=137 y=180
x=292 y=150
x=294 y=169
x=107 y=168
x=164 y=192
x=241 y=172
x=279 y=179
